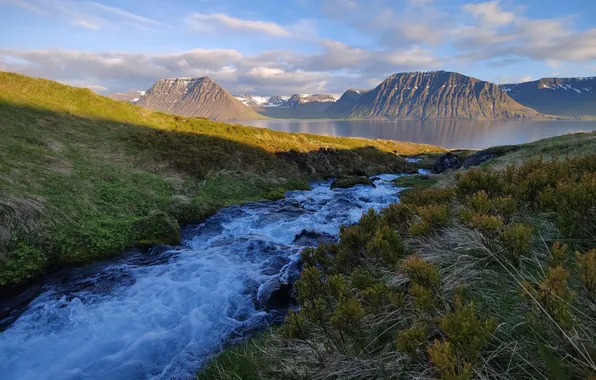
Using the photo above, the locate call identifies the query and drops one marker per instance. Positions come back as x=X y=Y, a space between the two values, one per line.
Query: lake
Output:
x=472 y=134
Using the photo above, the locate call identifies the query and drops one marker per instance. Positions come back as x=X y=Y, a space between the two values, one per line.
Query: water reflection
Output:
x=474 y=134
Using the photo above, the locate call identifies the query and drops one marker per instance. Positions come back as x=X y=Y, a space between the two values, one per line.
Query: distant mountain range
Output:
x=412 y=95
x=574 y=97
x=131 y=96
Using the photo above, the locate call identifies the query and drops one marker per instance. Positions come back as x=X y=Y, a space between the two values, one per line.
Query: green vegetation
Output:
x=83 y=177
x=347 y=182
x=420 y=181
x=492 y=276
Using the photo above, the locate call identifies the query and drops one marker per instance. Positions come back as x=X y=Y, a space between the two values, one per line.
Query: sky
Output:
x=281 y=47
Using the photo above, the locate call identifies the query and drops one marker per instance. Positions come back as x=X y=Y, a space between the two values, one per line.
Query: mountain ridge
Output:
x=195 y=97
x=570 y=96
x=438 y=95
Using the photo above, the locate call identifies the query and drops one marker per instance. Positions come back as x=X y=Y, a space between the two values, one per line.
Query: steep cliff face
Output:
x=438 y=95
x=557 y=96
x=195 y=97
x=345 y=105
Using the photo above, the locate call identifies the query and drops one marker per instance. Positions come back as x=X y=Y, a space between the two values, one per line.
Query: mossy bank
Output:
x=83 y=177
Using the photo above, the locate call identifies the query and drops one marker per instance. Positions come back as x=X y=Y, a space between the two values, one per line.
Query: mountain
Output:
x=345 y=105
x=195 y=97
x=300 y=106
x=557 y=96
x=257 y=103
x=438 y=95
x=132 y=96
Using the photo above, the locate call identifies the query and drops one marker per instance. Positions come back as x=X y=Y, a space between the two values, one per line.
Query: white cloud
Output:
x=490 y=12
x=334 y=69
x=213 y=22
x=86 y=24
x=124 y=14
x=89 y=15
x=527 y=78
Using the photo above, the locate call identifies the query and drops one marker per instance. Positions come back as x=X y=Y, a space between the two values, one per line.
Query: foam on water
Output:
x=160 y=316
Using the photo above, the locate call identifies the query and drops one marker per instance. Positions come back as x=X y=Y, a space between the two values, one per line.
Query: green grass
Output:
x=416 y=181
x=83 y=177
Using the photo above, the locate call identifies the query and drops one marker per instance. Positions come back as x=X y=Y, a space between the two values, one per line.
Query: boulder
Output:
x=275 y=295
x=446 y=161
x=312 y=238
x=478 y=158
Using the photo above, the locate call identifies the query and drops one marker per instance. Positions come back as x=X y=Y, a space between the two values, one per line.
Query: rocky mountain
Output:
x=301 y=106
x=345 y=105
x=132 y=96
x=438 y=95
x=557 y=96
x=195 y=97
x=259 y=102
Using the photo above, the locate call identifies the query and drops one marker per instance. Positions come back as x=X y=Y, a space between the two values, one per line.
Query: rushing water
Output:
x=471 y=134
x=161 y=315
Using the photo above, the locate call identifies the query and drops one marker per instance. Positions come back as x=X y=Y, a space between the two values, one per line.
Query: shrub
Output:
x=347 y=315
x=420 y=271
x=476 y=180
x=517 y=238
x=558 y=256
x=294 y=328
x=397 y=216
x=422 y=297
x=488 y=225
x=411 y=341
x=432 y=217
x=430 y=196
x=465 y=330
x=444 y=360
x=586 y=266
x=386 y=245
x=553 y=295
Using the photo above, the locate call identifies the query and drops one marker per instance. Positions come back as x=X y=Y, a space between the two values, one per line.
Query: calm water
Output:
x=473 y=134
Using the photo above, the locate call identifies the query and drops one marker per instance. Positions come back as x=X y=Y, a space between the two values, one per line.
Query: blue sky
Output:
x=282 y=47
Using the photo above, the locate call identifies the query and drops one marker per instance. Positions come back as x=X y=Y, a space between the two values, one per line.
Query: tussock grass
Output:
x=83 y=177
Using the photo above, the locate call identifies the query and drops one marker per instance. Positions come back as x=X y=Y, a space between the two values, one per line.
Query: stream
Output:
x=161 y=314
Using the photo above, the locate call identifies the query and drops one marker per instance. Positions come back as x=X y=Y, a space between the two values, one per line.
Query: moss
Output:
x=156 y=228
x=347 y=182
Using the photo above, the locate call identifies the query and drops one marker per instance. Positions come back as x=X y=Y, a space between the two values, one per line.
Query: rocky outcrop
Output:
x=438 y=95
x=195 y=97
x=446 y=161
x=478 y=158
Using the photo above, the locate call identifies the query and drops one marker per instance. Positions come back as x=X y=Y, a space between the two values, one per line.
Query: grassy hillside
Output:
x=83 y=177
x=486 y=273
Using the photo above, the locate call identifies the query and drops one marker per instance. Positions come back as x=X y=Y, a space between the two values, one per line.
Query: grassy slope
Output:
x=485 y=295
x=83 y=176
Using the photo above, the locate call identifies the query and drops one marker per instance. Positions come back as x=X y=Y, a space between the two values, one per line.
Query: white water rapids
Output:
x=160 y=316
